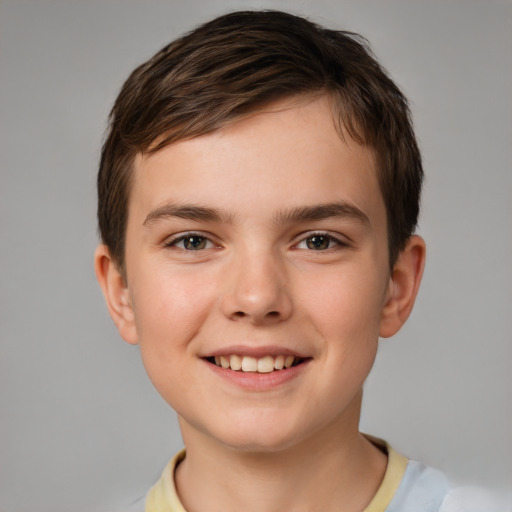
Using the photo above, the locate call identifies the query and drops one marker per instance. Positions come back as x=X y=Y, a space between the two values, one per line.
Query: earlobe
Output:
x=403 y=287
x=116 y=294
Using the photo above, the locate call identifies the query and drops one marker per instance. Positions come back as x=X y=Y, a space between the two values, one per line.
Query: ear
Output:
x=403 y=286
x=116 y=294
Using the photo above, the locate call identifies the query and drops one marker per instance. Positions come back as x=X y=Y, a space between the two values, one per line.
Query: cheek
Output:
x=345 y=304
x=169 y=311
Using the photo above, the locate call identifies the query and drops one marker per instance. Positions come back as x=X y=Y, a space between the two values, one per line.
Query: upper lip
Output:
x=254 y=351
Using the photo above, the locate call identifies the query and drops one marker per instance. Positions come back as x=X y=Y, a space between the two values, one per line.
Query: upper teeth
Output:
x=264 y=364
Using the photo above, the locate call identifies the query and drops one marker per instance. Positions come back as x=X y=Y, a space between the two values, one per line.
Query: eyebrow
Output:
x=295 y=215
x=188 y=212
x=322 y=212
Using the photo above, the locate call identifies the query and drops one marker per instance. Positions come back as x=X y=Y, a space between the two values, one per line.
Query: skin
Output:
x=259 y=283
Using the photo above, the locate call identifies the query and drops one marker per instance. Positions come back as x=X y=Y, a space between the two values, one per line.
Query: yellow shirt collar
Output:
x=162 y=497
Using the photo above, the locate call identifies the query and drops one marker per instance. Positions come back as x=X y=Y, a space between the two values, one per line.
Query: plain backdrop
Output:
x=81 y=429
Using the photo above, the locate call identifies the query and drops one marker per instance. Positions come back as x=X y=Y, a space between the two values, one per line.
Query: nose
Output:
x=256 y=289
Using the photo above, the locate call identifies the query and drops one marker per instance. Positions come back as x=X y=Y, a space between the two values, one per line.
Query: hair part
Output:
x=238 y=64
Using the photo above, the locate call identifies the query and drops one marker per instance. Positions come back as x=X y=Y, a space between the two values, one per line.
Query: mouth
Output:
x=248 y=364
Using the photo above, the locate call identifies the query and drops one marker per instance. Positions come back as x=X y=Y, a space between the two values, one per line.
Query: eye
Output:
x=319 y=242
x=191 y=242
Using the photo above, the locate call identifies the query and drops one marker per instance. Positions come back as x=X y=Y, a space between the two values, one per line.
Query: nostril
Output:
x=269 y=315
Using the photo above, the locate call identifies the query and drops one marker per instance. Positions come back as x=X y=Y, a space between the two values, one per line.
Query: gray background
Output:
x=81 y=428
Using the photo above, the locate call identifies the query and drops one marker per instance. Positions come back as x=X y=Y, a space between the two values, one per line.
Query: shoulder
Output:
x=422 y=489
x=408 y=485
x=475 y=499
x=425 y=489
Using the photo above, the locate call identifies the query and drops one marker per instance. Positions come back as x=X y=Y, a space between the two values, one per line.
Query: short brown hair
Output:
x=237 y=64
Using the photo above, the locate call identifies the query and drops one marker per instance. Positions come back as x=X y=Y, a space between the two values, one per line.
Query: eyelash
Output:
x=321 y=234
x=182 y=238
x=330 y=239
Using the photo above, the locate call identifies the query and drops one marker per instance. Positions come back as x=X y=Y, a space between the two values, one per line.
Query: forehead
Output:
x=289 y=153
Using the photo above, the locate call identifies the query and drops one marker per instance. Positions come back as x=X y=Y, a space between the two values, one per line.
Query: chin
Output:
x=264 y=430
x=259 y=444
x=261 y=437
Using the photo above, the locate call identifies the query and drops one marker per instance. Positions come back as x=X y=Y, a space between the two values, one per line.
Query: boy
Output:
x=258 y=194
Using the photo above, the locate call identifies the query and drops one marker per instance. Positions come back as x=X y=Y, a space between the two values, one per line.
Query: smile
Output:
x=265 y=364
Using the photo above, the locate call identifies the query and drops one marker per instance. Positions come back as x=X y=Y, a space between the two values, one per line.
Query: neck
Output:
x=336 y=471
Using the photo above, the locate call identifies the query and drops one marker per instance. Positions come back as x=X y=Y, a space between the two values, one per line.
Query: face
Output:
x=257 y=276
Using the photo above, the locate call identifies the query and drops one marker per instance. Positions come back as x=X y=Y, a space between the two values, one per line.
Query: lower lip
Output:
x=254 y=381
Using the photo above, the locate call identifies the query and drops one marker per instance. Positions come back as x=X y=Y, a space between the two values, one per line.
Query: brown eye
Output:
x=194 y=242
x=318 y=242
x=191 y=242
